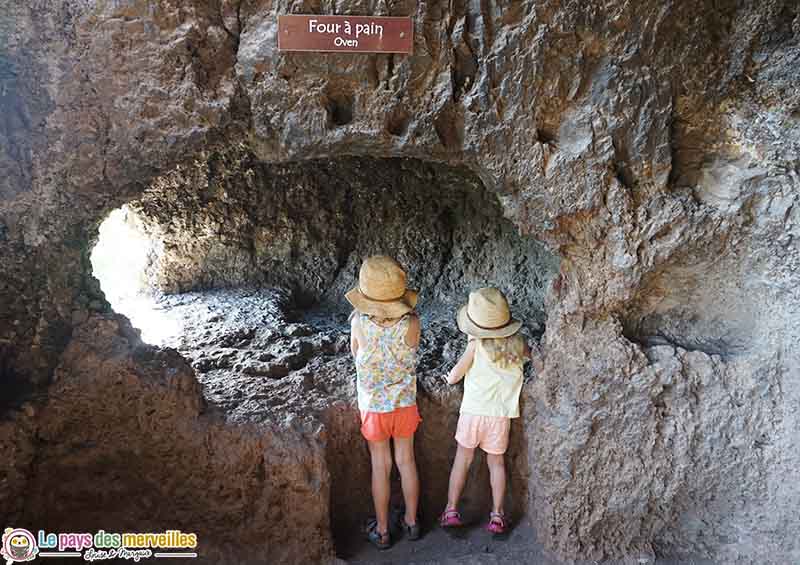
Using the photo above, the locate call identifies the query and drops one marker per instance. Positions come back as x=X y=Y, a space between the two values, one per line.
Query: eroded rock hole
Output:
x=251 y=262
x=544 y=135
x=339 y=108
x=397 y=121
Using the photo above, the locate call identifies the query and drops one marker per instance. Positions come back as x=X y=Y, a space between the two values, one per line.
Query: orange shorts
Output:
x=490 y=433
x=380 y=426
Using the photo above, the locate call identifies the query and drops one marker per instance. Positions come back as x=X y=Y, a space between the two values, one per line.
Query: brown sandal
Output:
x=376 y=538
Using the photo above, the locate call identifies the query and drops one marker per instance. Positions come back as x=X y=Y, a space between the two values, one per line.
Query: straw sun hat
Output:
x=487 y=315
x=381 y=289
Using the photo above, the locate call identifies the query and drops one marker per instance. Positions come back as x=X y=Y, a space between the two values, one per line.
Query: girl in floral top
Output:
x=384 y=337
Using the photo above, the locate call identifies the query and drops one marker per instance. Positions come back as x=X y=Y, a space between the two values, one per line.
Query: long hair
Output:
x=505 y=352
x=376 y=319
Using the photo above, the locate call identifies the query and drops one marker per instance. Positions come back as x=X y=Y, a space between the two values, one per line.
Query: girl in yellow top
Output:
x=491 y=368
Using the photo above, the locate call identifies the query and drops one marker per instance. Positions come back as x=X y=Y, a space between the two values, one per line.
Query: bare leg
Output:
x=497 y=476
x=458 y=475
x=409 y=479
x=381 y=455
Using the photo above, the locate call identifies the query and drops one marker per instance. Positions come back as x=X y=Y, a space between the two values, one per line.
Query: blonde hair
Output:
x=505 y=352
x=384 y=321
x=376 y=319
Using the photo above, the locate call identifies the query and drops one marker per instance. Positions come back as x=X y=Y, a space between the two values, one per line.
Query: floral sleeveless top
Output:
x=385 y=367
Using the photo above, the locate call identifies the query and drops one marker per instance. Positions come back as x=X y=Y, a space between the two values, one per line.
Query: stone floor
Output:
x=473 y=545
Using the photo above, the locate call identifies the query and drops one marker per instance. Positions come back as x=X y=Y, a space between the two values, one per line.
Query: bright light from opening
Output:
x=119 y=261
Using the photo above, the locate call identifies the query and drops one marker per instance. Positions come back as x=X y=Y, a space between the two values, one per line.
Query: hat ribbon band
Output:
x=487 y=327
x=380 y=299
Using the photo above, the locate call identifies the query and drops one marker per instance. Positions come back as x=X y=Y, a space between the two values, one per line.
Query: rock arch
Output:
x=645 y=144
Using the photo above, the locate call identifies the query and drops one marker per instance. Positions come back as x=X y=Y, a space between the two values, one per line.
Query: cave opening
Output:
x=242 y=267
x=120 y=260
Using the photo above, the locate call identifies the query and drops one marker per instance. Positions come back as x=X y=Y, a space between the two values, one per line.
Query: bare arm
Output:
x=457 y=373
x=355 y=332
x=414 y=331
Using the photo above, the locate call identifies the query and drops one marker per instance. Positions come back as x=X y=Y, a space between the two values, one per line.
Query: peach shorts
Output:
x=380 y=426
x=490 y=433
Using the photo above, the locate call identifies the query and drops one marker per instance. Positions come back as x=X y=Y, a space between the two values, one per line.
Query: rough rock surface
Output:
x=653 y=145
x=229 y=220
x=132 y=443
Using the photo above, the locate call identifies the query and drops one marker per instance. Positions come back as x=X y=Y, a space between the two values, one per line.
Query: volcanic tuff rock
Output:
x=652 y=145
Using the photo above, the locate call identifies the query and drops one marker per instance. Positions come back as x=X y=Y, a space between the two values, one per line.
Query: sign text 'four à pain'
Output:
x=362 y=34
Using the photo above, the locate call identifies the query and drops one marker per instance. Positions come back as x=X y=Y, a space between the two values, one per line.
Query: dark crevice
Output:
x=339 y=109
x=373 y=75
x=235 y=36
x=16 y=388
x=389 y=70
x=397 y=121
x=447 y=127
x=544 y=135
x=674 y=141
x=621 y=174
x=621 y=171
x=708 y=345
x=488 y=23
x=465 y=63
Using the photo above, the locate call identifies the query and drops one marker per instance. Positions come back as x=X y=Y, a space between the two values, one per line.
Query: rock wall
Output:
x=231 y=221
x=652 y=145
x=126 y=440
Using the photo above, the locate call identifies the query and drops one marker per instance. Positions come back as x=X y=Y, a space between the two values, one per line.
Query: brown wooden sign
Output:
x=359 y=34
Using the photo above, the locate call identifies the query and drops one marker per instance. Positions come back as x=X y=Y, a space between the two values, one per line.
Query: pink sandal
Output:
x=450 y=519
x=497 y=523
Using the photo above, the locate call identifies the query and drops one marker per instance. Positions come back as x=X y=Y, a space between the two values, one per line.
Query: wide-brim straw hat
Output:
x=487 y=314
x=381 y=289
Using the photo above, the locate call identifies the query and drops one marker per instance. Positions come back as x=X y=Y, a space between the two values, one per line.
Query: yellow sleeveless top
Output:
x=490 y=390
